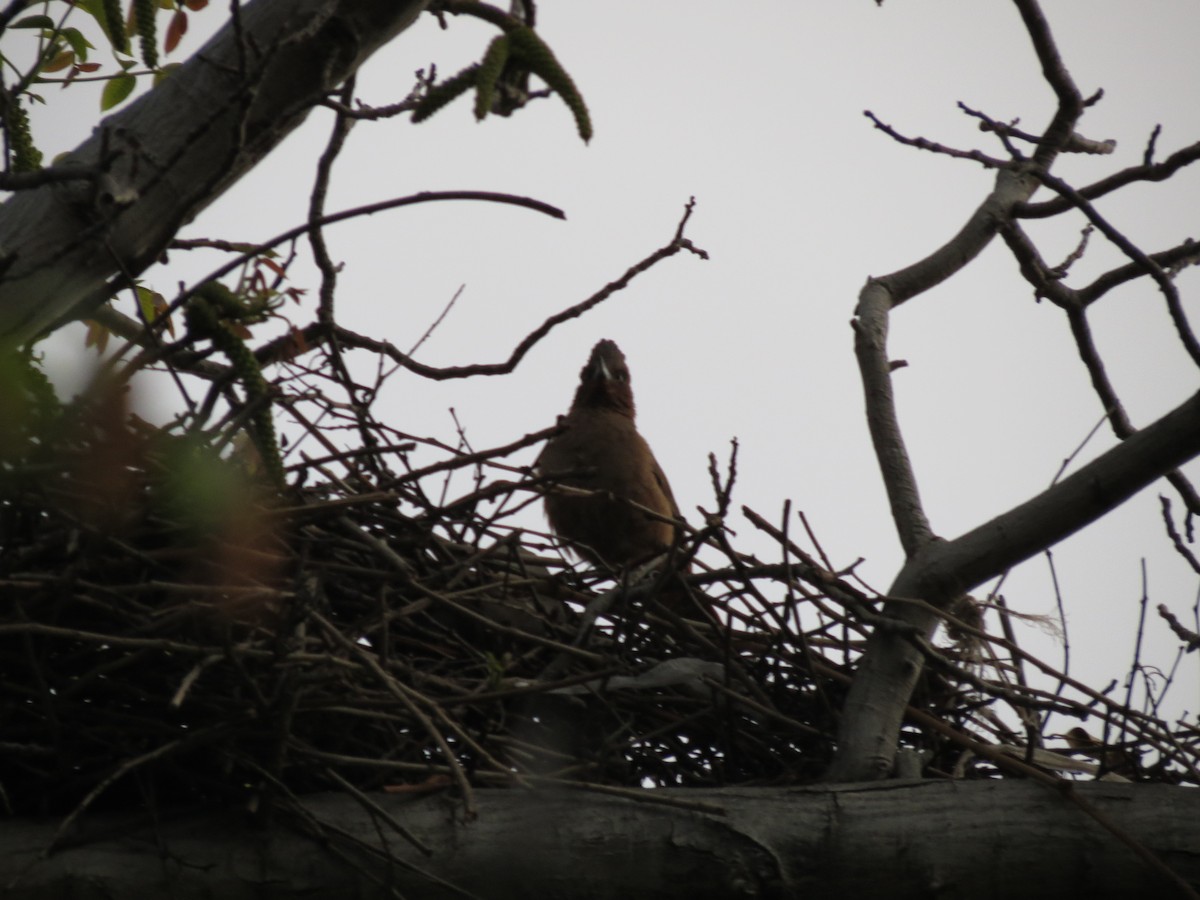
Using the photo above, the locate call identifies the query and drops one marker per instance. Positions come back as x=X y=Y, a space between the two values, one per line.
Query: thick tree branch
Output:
x=937 y=573
x=1078 y=500
x=877 y=299
x=1060 y=132
x=943 y=570
x=177 y=149
x=959 y=840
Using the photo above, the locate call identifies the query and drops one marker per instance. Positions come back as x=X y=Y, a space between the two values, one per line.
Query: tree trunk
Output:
x=157 y=163
x=940 y=571
x=974 y=840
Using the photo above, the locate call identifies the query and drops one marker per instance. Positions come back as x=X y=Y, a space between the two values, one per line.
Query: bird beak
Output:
x=604 y=372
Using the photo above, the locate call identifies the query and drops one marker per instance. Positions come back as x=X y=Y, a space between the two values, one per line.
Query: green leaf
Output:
x=78 y=42
x=107 y=14
x=25 y=156
x=440 y=95
x=489 y=72
x=34 y=22
x=528 y=46
x=164 y=72
x=145 y=298
x=120 y=87
x=147 y=29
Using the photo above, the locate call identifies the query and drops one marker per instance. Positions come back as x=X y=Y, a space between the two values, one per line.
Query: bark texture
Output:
x=896 y=840
x=153 y=166
x=943 y=570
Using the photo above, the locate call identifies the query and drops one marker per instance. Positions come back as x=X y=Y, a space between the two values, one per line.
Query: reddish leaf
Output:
x=195 y=5
x=60 y=61
x=273 y=266
x=176 y=30
x=89 y=67
x=292 y=345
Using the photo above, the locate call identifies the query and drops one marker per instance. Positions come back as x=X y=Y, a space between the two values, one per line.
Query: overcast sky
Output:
x=757 y=111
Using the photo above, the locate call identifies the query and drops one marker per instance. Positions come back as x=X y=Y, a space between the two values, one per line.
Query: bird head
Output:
x=604 y=381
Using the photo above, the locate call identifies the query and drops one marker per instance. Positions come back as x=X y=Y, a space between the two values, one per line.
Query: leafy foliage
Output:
x=147 y=30
x=25 y=157
x=519 y=48
x=113 y=22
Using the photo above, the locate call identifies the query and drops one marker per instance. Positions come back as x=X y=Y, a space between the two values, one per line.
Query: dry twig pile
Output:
x=172 y=635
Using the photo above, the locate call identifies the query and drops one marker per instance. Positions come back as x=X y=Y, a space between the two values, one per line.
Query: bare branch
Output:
x=1171 y=261
x=943 y=570
x=1059 y=132
x=1189 y=637
x=877 y=299
x=921 y=143
x=870 y=346
x=1176 y=539
x=677 y=245
x=1110 y=402
x=127 y=328
x=1046 y=279
x=1007 y=130
x=1046 y=283
x=937 y=572
x=1149 y=266
x=1146 y=172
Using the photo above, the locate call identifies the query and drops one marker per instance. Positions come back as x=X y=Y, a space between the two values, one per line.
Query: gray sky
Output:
x=799 y=200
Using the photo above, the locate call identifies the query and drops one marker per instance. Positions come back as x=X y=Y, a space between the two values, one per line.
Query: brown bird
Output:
x=601 y=451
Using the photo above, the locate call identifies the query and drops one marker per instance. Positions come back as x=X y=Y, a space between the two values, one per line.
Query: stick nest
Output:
x=172 y=632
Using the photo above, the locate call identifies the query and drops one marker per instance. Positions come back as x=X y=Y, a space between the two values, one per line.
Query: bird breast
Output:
x=602 y=451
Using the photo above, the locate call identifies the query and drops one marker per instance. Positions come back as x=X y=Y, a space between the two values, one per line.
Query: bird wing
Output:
x=661 y=479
